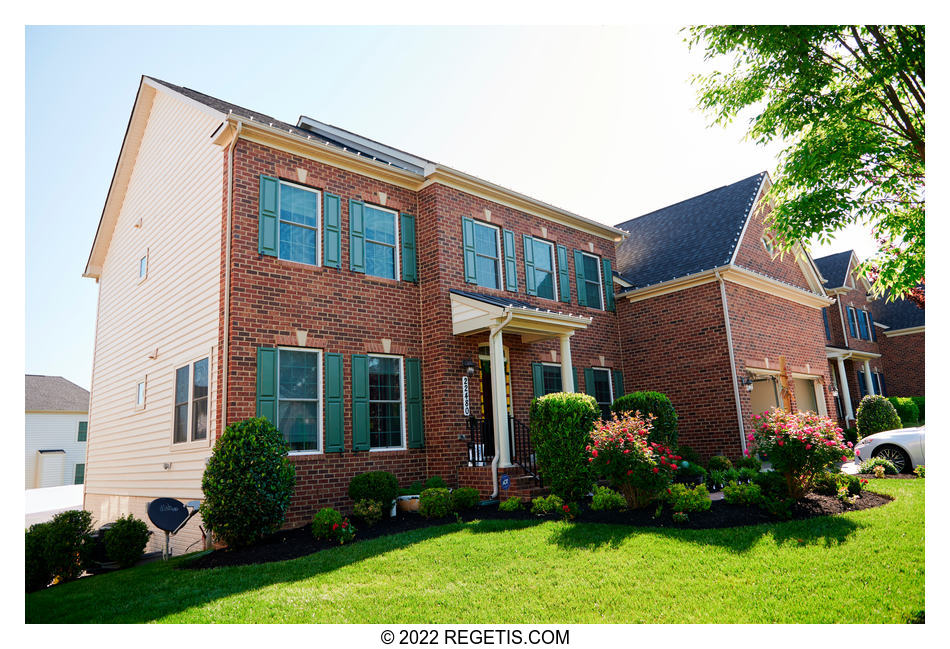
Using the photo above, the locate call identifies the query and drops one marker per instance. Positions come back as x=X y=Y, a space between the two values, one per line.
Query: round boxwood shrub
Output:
x=464 y=498
x=247 y=483
x=380 y=486
x=126 y=540
x=719 y=463
x=666 y=421
x=906 y=410
x=38 y=573
x=919 y=402
x=561 y=424
x=875 y=414
x=435 y=503
x=69 y=544
x=322 y=525
x=435 y=482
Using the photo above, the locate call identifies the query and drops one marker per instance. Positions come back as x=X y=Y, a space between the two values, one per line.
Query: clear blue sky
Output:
x=600 y=121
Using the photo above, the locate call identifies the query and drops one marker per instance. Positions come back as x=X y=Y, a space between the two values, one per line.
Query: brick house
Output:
x=386 y=312
x=708 y=308
x=877 y=346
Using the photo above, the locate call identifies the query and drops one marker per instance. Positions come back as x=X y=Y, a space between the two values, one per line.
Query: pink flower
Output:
x=748 y=452
x=750 y=437
x=844 y=458
x=807 y=446
x=655 y=470
x=781 y=443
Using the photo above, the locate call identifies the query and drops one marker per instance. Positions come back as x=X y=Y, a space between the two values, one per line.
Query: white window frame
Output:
x=402 y=404
x=318 y=228
x=319 y=399
x=768 y=245
x=189 y=440
x=144 y=257
x=554 y=275
x=560 y=374
x=499 y=260
x=610 y=382
x=600 y=281
x=141 y=389
x=397 y=269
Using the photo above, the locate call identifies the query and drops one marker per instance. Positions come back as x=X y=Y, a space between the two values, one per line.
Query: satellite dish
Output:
x=169 y=515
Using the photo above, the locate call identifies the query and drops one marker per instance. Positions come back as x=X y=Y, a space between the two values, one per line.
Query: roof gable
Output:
x=55 y=394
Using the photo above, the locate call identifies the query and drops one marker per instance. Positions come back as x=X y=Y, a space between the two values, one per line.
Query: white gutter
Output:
x=732 y=360
x=227 y=280
x=494 y=331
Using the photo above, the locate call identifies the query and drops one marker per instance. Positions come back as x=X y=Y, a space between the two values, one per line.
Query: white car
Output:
x=904 y=447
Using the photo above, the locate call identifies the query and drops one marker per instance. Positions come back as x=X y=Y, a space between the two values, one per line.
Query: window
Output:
x=876 y=382
x=298 y=398
x=863 y=325
x=140 y=394
x=768 y=245
x=824 y=316
x=544 y=268
x=385 y=402
x=551 y=378
x=143 y=266
x=593 y=284
x=487 y=256
x=602 y=390
x=381 y=232
x=299 y=231
x=862 y=386
x=191 y=389
x=83 y=431
x=852 y=322
x=79 y=475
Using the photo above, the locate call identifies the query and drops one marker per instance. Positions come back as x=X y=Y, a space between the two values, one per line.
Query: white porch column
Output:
x=499 y=400
x=869 y=384
x=843 y=387
x=567 y=367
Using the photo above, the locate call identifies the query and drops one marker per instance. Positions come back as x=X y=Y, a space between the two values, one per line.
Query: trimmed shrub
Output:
x=656 y=405
x=906 y=410
x=560 y=429
x=688 y=454
x=464 y=498
x=876 y=414
x=69 y=544
x=512 y=504
x=38 y=573
x=126 y=540
x=719 y=463
x=435 y=482
x=747 y=474
x=247 y=483
x=380 y=486
x=606 y=499
x=412 y=490
x=919 y=402
x=368 y=511
x=683 y=499
x=748 y=462
x=742 y=494
x=851 y=435
x=774 y=494
x=637 y=468
x=325 y=523
x=547 y=505
x=691 y=470
x=435 y=503
x=868 y=465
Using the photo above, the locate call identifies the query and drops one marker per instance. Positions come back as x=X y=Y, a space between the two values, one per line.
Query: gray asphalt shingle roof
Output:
x=493 y=299
x=834 y=268
x=688 y=237
x=899 y=314
x=54 y=393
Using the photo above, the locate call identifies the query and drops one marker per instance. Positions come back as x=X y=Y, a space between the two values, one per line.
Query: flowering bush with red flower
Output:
x=620 y=450
x=800 y=445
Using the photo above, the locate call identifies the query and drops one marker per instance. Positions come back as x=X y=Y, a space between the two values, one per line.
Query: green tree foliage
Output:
x=847 y=103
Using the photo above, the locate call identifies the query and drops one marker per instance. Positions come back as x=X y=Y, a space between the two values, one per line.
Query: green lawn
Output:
x=555 y=572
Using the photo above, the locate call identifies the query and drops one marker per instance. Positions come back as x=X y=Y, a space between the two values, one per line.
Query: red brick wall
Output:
x=903 y=363
x=676 y=344
x=753 y=255
x=857 y=298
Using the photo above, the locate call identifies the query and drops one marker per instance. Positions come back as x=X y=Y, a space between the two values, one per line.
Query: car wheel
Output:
x=896 y=455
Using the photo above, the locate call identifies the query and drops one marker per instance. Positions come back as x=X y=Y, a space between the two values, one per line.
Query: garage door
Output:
x=763 y=397
x=805 y=395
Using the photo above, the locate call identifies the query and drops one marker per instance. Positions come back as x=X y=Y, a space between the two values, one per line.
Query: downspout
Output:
x=732 y=360
x=227 y=280
x=494 y=331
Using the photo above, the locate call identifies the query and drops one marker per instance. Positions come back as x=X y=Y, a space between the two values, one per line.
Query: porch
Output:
x=852 y=374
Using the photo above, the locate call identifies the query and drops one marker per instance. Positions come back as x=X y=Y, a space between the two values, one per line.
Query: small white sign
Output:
x=465 y=407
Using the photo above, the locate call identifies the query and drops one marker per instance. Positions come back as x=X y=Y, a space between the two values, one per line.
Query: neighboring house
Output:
x=339 y=287
x=708 y=308
x=57 y=419
x=902 y=346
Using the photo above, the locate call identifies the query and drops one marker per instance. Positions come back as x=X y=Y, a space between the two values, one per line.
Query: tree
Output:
x=847 y=102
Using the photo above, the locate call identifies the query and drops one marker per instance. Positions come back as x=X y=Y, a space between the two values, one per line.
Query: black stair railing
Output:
x=522 y=453
x=481 y=442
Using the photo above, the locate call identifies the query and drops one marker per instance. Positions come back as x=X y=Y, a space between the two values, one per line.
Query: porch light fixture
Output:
x=747 y=382
x=469 y=367
x=834 y=391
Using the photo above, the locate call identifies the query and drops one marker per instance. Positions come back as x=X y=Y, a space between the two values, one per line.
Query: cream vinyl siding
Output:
x=53 y=430
x=175 y=191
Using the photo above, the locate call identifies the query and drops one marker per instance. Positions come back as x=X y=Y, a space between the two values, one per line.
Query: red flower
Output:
x=566 y=508
x=630 y=471
x=335 y=525
x=656 y=469
x=673 y=466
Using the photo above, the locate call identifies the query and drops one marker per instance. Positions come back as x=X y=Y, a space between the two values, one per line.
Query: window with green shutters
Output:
x=79 y=475
x=298 y=398
x=486 y=260
x=381 y=237
x=387 y=402
x=540 y=268
x=83 y=431
x=593 y=282
x=863 y=325
x=386 y=398
x=296 y=221
x=852 y=322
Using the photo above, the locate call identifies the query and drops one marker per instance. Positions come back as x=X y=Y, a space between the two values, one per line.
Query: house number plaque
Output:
x=465 y=407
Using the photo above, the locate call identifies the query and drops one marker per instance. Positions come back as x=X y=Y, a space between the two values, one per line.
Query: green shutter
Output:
x=408 y=238
x=564 y=279
x=589 y=381
x=871 y=326
x=83 y=430
x=579 y=278
x=267 y=383
x=537 y=376
x=360 y=397
x=331 y=230
x=79 y=477
x=618 y=384
x=268 y=206
x=576 y=384
x=608 y=285
x=511 y=269
x=414 y=402
x=333 y=402
x=468 y=246
x=530 y=287
x=357 y=241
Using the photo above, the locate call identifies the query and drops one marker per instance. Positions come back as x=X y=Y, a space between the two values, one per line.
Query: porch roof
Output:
x=844 y=354
x=474 y=313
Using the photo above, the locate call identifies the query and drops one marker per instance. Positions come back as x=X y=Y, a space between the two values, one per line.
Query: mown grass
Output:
x=863 y=566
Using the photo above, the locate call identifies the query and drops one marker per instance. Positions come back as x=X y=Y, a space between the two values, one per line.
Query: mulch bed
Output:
x=299 y=542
